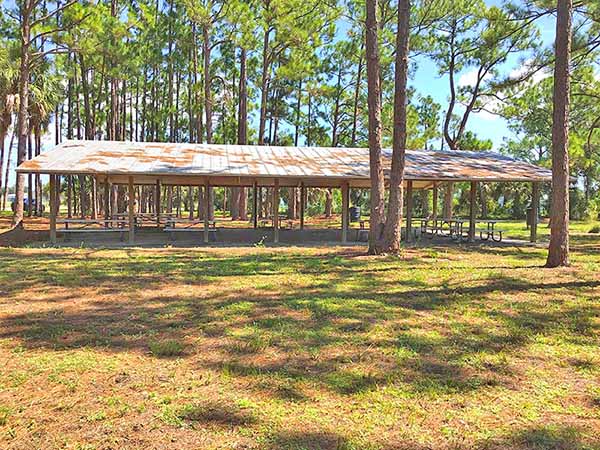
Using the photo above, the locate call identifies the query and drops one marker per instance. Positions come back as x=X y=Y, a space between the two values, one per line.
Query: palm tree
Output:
x=8 y=98
x=43 y=99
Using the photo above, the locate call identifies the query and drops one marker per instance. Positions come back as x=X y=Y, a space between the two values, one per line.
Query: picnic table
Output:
x=284 y=222
x=179 y=224
x=145 y=218
x=458 y=228
x=442 y=227
x=490 y=230
x=93 y=226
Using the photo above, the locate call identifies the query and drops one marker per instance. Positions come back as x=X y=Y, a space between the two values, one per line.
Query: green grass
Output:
x=300 y=348
x=166 y=348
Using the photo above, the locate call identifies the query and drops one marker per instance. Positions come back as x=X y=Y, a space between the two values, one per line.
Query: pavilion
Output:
x=215 y=165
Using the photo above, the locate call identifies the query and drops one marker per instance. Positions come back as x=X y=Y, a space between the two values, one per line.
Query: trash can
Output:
x=530 y=217
x=354 y=214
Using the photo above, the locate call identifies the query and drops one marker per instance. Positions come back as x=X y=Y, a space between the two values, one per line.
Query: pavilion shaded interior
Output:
x=214 y=165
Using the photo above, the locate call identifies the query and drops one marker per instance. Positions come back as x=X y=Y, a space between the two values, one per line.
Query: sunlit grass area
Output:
x=299 y=348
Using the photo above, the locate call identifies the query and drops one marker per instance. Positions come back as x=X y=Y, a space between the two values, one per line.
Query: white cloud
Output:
x=524 y=68
x=469 y=78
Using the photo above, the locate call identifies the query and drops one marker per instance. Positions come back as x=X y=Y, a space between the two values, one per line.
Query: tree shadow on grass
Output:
x=212 y=413
x=307 y=440
x=543 y=437
x=548 y=437
x=324 y=334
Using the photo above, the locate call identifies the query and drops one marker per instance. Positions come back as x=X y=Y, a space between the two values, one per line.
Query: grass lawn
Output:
x=299 y=348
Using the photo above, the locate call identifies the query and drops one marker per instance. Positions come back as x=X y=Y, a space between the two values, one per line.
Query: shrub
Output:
x=595 y=229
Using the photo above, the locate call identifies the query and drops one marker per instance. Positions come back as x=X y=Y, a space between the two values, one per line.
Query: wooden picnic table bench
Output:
x=456 y=229
x=284 y=222
x=145 y=218
x=178 y=225
x=490 y=231
x=89 y=226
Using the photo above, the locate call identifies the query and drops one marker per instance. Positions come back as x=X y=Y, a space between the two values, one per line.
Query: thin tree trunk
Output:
x=328 y=203
x=291 y=213
x=142 y=136
x=297 y=120
x=208 y=109
x=2 y=150
x=176 y=111
x=89 y=132
x=190 y=90
x=6 y=172
x=558 y=250
x=114 y=101
x=82 y=196
x=198 y=119
x=356 y=94
x=242 y=137
x=190 y=202
x=169 y=199
x=29 y=176
x=94 y=198
x=483 y=200
x=207 y=83
x=425 y=202
x=448 y=200
x=69 y=196
x=374 y=105
x=38 y=178
x=264 y=86
x=170 y=74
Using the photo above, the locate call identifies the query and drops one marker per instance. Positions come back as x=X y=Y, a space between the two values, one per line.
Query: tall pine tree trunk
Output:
x=242 y=137
x=558 y=250
x=392 y=233
x=374 y=106
x=208 y=110
x=264 y=86
x=359 y=70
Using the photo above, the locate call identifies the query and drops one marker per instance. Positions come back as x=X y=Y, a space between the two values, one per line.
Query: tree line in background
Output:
x=293 y=72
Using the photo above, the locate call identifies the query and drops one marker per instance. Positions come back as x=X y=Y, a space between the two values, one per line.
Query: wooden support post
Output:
x=276 y=211
x=158 y=202
x=58 y=181
x=131 y=211
x=409 y=210
x=302 y=204
x=255 y=205
x=435 y=201
x=53 y=209
x=206 y=211
x=472 y=198
x=345 y=212
x=106 y=201
x=535 y=206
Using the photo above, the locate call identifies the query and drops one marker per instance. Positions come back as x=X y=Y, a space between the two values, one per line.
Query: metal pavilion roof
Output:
x=241 y=164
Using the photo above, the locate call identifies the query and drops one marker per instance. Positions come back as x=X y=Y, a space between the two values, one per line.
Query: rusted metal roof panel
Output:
x=152 y=158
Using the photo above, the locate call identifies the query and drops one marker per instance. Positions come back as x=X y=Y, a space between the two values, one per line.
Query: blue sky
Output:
x=427 y=82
